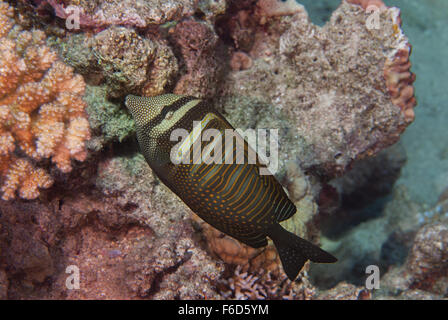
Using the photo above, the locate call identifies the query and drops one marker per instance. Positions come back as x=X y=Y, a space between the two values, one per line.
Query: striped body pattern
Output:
x=231 y=196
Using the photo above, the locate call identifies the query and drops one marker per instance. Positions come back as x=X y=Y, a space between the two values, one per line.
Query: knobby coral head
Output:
x=42 y=114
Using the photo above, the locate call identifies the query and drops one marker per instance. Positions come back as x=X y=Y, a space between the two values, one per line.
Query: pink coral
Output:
x=399 y=78
x=260 y=286
x=197 y=43
x=365 y=4
x=240 y=61
x=41 y=110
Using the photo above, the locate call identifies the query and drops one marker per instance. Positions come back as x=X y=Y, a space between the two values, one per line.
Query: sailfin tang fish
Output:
x=233 y=196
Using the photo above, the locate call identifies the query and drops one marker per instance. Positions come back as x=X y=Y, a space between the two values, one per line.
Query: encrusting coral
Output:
x=124 y=60
x=41 y=110
x=399 y=78
x=346 y=87
x=197 y=42
x=365 y=4
x=141 y=14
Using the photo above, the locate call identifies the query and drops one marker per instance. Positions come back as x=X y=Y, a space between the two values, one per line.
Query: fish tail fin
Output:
x=295 y=251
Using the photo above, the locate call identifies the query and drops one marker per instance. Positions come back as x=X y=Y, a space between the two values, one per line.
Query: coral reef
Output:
x=108 y=121
x=132 y=184
x=345 y=291
x=284 y=89
x=41 y=110
x=428 y=259
x=115 y=239
x=212 y=8
x=198 y=43
x=338 y=95
x=406 y=242
x=397 y=73
x=423 y=275
x=183 y=57
x=330 y=81
x=122 y=59
x=127 y=13
x=240 y=61
x=272 y=8
x=265 y=286
x=382 y=237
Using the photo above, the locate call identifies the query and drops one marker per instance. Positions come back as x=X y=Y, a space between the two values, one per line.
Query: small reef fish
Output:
x=234 y=198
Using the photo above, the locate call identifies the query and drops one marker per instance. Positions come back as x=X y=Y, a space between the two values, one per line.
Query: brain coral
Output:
x=41 y=110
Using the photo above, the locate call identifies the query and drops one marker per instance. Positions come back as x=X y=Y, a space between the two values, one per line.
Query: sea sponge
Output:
x=41 y=110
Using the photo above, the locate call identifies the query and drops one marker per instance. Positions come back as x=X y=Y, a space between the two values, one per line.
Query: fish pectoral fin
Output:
x=295 y=251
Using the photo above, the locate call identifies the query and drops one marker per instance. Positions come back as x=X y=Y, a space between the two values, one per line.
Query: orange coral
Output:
x=399 y=82
x=240 y=61
x=399 y=78
x=234 y=252
x=41 y=110
x=23 y=176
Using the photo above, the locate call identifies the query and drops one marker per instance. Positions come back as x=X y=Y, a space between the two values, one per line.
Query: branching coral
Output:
x=41 y=110
x=247 y=286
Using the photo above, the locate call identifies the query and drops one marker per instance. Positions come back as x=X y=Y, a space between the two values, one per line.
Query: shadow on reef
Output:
x=357 y=229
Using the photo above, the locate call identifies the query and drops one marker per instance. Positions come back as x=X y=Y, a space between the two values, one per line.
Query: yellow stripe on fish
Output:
x=231 y=196
x=195 y=134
